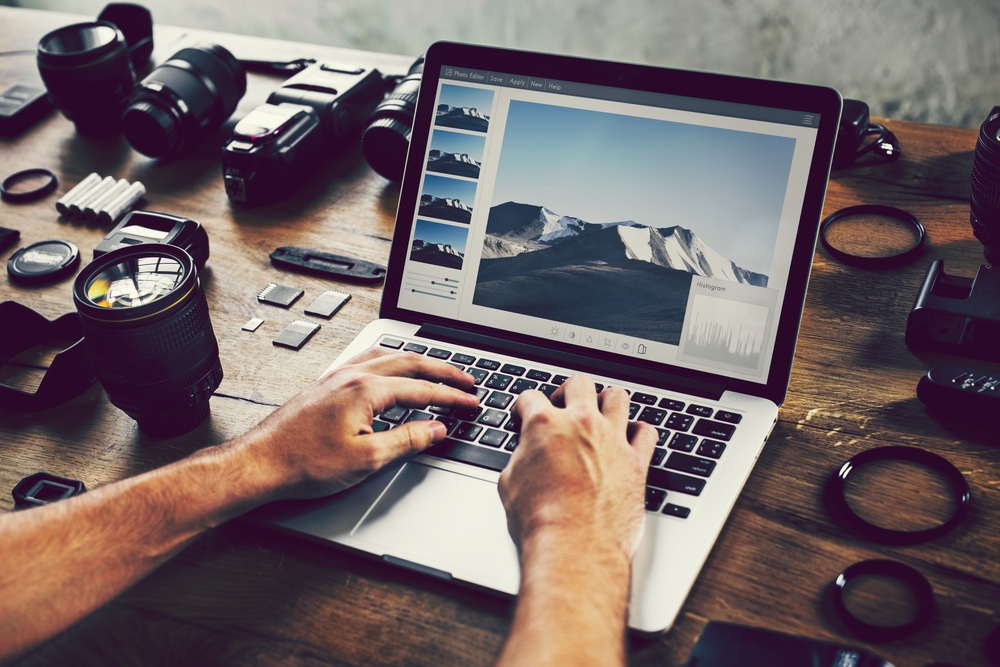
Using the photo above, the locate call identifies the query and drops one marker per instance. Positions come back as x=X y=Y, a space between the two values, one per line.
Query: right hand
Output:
x=580 y=468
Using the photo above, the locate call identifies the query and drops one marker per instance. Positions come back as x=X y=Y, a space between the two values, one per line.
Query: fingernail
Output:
x=438 y=430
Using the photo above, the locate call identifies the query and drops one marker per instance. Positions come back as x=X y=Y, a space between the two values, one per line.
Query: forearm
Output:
x=572 y=604
x=64 y=560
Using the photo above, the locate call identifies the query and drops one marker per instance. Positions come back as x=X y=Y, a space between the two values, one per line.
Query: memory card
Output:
x=279 y=295
x=296 y=334
x=253 y=324
x=327 y=303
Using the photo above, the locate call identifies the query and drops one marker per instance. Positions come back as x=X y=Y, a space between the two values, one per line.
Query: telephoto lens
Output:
x=183 y=101
x=88 y=73
x=985 y=201
x=146 y=324
x=386 y=137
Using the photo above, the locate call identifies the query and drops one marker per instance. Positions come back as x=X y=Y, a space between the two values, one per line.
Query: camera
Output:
x=985 y=202
x=386 y=138
x=312 y=115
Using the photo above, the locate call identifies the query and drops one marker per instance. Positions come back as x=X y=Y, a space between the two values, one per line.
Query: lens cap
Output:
x=43 y=263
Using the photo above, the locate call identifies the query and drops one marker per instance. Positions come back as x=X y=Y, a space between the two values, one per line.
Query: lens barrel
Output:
x=88 y=73
x=386 y=138
x=146 y=324
x=985 y=201
x=184 y=100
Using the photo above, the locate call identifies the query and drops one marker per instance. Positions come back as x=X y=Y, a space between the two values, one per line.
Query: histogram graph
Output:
x=726 y=331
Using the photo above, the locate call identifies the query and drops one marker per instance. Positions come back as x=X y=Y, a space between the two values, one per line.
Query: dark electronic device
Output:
x=154 y=227
x=296 y=334
x=956 y=315
x=327 y=304
x=15 y=187
x=70 y=372
x=985 y=201
x=183 y=101
x=311 y=117
x=146 y=323
x=89 y=68
x=8 y=237
x=731 y=645
x=42 y=488
x=328 y=265
x=21 y=106
x=43 y=263
x=960 y=392
x=386 y=138
x=855 y=127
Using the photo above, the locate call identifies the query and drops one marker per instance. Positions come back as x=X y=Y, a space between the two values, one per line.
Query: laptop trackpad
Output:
x=447 y=521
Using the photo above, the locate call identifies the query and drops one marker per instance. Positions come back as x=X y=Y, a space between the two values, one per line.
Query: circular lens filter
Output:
x=134 y=282
x=43 y=263
x=28 y=185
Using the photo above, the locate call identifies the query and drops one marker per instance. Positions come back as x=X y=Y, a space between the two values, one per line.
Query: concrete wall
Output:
x=926 y=60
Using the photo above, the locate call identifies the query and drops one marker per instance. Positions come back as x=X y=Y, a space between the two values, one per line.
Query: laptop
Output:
x=652 y=228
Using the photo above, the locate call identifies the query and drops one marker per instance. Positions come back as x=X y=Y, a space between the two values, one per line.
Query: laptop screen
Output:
x=646 y=225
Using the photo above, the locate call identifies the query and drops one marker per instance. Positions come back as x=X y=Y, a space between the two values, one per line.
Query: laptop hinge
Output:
x=669 y=381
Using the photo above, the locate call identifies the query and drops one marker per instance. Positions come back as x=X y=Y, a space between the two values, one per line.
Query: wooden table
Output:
x=243 y=595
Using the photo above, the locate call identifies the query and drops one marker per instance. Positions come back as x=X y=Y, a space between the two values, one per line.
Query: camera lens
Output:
x=145 y=321
x=184 y=100
x=985 y=201
x=88 y=73
x=387 y=137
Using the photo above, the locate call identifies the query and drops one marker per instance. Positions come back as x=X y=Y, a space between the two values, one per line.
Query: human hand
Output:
x=580 y=468
x=321 y=441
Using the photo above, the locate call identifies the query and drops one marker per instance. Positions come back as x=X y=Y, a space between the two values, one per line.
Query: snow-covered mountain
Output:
x=437 y=155
x=426 y=200
x=515 y=228
x=445 y=248
x=448 y=110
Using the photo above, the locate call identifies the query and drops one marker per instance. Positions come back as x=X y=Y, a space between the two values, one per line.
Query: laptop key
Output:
x=467 y=431
x=677 y=511
x=391 y=343
x=640 y=397
x=714 y=429
x=547 y=389
x=699 y=410
x=493 y=438
x=458 y=366
x=673 y=481
x=513 y=425
x=477 y=375
x=415 y=347
x=658 y=455
x=481 y=393
x=498 y=381
x=463 y=359
x=559 y=379
x=711 y=448
x=652 y=416
x=378 y=426
x=493 y=418
x=654 y=498
x=448 y=422
x=499 y=400
x=488 y=364
x=633 y=410
x=467 y=414
x=599 y=387
x=438 y=353
x=541 y=376
x=662 y=440
x=440 y=410
x=511 y=369
x=691 y=464
x=683 y=442
x=521 y=385
x=512 y=443
x=394 y=415
x=453 y=450
x=419 y=416
x=727 y=416
x=671 y=404
x=679 y=422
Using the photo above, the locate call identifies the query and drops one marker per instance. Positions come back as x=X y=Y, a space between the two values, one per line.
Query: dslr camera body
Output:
x=312 y=115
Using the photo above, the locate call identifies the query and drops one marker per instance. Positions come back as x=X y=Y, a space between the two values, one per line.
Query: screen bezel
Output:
x=824 y=102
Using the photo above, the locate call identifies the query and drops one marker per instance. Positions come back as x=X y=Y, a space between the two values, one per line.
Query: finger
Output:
x=369 y=354
x=529 y=403
x=579 y=389
x=613 y=403
x=406 y=440
x=643 y=438
x=415 y=393
x=409 y=364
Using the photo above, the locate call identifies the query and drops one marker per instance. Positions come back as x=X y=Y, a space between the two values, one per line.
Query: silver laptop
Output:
x=651 y=228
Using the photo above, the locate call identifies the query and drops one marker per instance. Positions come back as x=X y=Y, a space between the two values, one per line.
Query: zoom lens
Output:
x=88 y=73
x=387 y=137
x=985 y=201
x=145 y=321
x=184 y=100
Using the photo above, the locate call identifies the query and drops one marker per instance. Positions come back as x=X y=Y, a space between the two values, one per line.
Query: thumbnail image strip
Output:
x=439 y=244
x=464 y=108
x=447 y=199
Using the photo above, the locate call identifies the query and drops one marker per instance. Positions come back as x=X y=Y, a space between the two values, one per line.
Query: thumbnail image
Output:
x=447 y=198
x=602 y=220
x=438 y=244
x=456 y=153
x=464 y=108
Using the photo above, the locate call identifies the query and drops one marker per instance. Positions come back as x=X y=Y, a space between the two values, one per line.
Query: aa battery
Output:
x=117 y=208
x=92 y=208
x=83 y=187
x=76 y=206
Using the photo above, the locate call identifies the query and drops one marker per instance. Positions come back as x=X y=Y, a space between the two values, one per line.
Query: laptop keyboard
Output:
x=692 y=437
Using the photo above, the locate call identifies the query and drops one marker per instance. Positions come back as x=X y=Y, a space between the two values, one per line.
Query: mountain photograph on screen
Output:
x=438 y=244
x=464 y=108
x=602 y=220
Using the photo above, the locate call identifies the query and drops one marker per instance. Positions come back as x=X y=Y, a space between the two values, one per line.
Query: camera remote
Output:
x=964 y=391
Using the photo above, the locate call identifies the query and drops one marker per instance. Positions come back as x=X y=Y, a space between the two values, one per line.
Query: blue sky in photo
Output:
x=451 y=188
x=455 y=142
x=466 y=96
x=726 y=186
x=435 y=232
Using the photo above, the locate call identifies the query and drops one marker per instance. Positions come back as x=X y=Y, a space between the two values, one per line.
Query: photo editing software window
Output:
x=648 y=225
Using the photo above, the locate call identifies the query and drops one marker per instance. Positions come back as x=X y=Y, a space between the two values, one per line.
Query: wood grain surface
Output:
x=243 y=595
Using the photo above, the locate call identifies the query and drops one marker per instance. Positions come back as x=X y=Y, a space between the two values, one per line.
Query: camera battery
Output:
x=296 y=334
x=279 y=295
x=327 y=303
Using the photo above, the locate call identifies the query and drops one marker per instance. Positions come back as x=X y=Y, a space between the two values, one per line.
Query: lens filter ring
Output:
x=9 y=193
x=916 y=582
x=962 y=495
x=860 y=261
